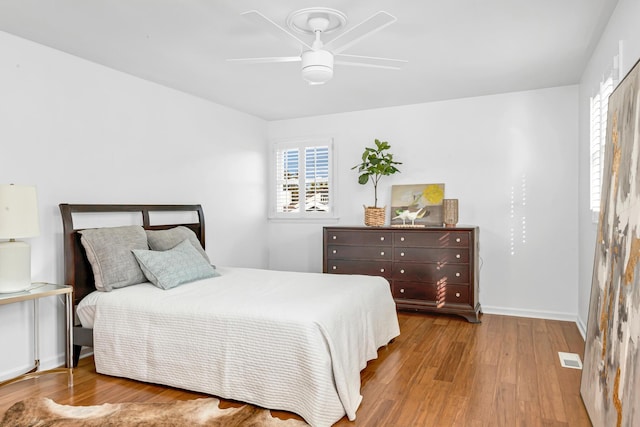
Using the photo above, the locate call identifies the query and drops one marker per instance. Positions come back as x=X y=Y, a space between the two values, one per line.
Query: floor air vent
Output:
x=570 y=360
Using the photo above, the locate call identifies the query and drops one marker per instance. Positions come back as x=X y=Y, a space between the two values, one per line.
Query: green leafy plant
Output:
x=376 y=163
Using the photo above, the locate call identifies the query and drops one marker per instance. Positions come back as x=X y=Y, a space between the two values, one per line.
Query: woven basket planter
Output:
x=374 y=217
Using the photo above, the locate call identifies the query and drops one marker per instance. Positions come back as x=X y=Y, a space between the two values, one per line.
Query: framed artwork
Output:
x=417 y=205
x=610 y=385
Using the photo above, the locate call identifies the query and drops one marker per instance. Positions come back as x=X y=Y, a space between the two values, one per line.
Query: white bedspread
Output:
x=280 y=340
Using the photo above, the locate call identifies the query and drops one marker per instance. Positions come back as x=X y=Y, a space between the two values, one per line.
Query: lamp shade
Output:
x=18 y=211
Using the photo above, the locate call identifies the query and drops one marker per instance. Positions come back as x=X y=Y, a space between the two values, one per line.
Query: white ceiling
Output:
x=455 y=48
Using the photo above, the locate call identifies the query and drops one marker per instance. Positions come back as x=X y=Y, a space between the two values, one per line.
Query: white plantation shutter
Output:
x=287 y=180
x=598 y=132
x=302 y=179
x=317 y=178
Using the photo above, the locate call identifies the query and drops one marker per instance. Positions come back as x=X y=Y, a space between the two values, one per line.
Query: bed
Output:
x=281 y=340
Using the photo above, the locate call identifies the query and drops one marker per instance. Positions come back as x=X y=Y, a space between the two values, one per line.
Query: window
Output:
x=597 y=136
x=302 y=185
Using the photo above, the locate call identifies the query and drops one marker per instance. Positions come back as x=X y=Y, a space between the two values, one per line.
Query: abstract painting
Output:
x=610 y=385
x=417 y=205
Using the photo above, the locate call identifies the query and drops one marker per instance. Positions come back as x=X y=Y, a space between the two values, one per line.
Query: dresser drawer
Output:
x=448 y=255
x=431 y=272
x=359 y=238
x=359 y=252
x=437 y=239
x=458 y=294
x=370 y=268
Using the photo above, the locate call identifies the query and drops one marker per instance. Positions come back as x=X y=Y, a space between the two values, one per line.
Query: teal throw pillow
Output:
x=168 y=269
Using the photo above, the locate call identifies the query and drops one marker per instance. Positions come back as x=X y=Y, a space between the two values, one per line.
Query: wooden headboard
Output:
x=77 y=270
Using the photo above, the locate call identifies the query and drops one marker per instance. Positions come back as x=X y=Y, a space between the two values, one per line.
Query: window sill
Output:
x=329 y=220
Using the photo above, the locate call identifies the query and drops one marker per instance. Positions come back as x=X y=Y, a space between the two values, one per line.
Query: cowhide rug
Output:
x=44 y=412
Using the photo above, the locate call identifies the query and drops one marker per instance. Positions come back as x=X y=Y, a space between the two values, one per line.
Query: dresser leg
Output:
x=472 y=318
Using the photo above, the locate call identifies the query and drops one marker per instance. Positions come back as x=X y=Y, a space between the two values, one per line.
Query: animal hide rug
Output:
x=40 y=412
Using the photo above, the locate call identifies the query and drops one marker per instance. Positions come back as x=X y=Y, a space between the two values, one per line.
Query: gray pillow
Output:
x=109 y=253
x=173 y=267
x=162 y=240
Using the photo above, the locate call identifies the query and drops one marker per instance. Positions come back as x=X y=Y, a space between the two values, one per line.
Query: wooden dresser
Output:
x=429 y=269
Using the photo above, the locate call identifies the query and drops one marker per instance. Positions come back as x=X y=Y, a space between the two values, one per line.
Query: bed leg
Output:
x=76 y=355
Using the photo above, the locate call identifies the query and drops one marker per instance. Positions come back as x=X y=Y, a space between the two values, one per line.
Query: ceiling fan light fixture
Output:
x=317 y=66
x=317 y=74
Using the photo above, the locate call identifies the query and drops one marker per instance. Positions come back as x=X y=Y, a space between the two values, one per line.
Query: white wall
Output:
x=623 y=26
x=83 y=133
x=489 y=151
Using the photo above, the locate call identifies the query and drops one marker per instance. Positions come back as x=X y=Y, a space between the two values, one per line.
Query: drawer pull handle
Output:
x=457 y=294
x=402 y=271
x=457 y=274
x=382 y=253
x=334 y=251
x=334 y=267
x=401 y=253
x=458 y=256
x=382 y=270
x=334 y=237
x=382 y=238
x=402 y=239
x=458 y=240
x=402 y=291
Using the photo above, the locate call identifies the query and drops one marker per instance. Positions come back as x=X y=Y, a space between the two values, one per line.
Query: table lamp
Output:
x=18 y=220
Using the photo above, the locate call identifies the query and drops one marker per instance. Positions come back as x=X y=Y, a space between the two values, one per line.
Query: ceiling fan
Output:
x=319 y=57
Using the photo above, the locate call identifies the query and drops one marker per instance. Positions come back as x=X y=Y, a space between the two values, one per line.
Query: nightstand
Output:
x=34 y=293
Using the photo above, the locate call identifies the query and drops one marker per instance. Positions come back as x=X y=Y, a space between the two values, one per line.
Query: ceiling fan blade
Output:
x=370 y=61
x=365 y=65
x=266 y=60
x=266 y=23
x=364 y=29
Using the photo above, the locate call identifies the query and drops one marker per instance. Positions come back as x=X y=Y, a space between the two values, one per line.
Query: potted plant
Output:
x=376 y=163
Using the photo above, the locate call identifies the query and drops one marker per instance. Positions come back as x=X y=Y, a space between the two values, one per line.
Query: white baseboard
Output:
x=536 y=314
x=582 y=328
x=45 y=364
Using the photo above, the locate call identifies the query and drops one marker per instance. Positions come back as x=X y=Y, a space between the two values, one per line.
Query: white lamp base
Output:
x=15 y=267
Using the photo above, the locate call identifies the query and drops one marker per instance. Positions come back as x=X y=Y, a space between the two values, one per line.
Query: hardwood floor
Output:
x=441 y=371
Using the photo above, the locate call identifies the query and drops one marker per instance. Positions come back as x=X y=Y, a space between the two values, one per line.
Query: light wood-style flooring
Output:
x=441 y=371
